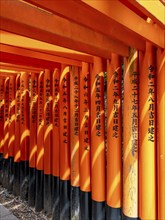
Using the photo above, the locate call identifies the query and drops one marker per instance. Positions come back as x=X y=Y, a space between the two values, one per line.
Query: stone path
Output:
x=5 y=214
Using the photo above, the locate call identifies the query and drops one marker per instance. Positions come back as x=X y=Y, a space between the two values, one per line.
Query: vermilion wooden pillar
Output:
x=74 y=142
x=17 y=150
x=40 y=145
x=147 y=134
x=1 y=113
x=24 y=134
x=11 y=116
x=48 y=141
x=11 y=143
x=1 y=126
x=56 y=145
x=6 y=134
x=97 y=140
x=85 y=143
x=161 y=132
x=130 y=137
x=64 y=144
x=33 y=86
x=114 y=138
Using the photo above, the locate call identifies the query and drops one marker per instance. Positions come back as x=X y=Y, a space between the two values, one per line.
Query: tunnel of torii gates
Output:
x=82 y=107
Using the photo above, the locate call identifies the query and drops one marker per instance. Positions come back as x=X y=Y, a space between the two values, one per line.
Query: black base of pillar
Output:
x=39 y=190
x=11 y=174
x=1 y=168
x=55 y=198
x=129 y=218
x=5 y=168
x=16 y=183
x=32 y=186
x=48 y=194
x=65 y=200
x=75 y=202
x=98 y=210
x=113 y=213
x=85 y=205
x=24 y=180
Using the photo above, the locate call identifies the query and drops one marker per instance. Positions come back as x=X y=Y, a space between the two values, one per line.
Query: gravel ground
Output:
x=19 y=208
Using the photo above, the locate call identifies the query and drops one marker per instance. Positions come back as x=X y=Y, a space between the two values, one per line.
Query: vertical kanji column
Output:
x=6 y=134
x=33 y=138
x=130 y=137
x=11 y=143
x=47 y=141
x=114 y=138
x=97 y=140
x=56 y=146
x=40 y=145
x=74 y=142
x=1 y=126
x=24 y=135
x=161 y=131
x=85 y=143
x=64 y=144
x=147 y=133
x=17 y=150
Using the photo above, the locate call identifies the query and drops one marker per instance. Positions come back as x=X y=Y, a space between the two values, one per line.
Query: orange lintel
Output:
x=95 y=21
x=20 y=18
x=34 y=55
x=129 y=20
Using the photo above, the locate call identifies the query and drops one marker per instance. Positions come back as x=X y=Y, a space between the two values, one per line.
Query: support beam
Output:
x=4 y=75
x=20 y=18
x=93 y=19
x=118 y=12
x=12 y=68
x=40 y=46
x=152 y=9
x=162 y=1
x=27 y=57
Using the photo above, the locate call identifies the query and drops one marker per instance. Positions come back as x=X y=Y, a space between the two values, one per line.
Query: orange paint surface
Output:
x=33 y=120
x=24 y=116
x=161 y=132
x=6 y=118
x=97 y=133
x=56 y=125
x=147 y=135
x=64 y=124
x=1 y=114
x=130 y=136
x=48 y=127
x=85 y=136
x=11 y=143
x=74 y=126
x=114 y=184
x=17 y=152
x=40 y=123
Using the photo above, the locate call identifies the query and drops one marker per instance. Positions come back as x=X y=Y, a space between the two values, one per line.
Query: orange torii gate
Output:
x=134 y=105
x=82 y=136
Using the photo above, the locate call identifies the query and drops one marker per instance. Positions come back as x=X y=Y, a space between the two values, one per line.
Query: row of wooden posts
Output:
x=60 y=152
